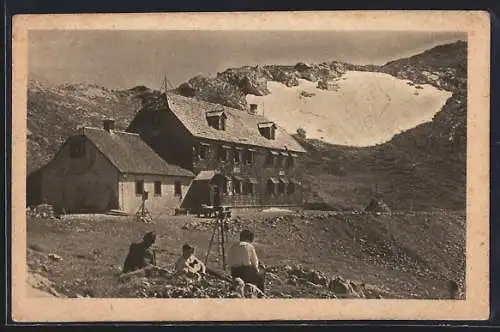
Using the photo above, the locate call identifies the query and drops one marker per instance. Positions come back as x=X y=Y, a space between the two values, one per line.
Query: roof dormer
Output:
x=268 y=129
x=216 y=119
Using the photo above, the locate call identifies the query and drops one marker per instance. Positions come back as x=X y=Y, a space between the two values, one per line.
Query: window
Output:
x=139 y=187
x=249 y=156
x=178 y=188
x=224 y=153
x=237 y=185
x=157 y=188
x=291 y=188
x=290 y=162
x=271 y=186
x=283 y=159
x=203 y=151
x=281 y=188
x=272 y=158
x=282 y=185
x=269 y=159
x=250 y=186
x=228 y=186
x=77 y=148
x=216 y=119
x=247 y=188
x=236 y=156
x=267 y=129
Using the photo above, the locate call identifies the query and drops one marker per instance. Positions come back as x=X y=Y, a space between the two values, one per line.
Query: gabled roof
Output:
x=241 y=127
x=130 y=154
x=267 y=124
x=205 y=175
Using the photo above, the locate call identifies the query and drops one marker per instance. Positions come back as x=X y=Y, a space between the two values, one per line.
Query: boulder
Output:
x=377 y=206
x=339 y=286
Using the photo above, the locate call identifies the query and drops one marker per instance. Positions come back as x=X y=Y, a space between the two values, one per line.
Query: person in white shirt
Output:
x=243 y=261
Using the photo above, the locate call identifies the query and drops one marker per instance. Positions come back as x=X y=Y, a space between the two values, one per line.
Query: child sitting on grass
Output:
x=189 y=264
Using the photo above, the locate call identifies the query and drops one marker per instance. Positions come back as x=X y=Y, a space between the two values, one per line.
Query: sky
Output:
x=124 y=59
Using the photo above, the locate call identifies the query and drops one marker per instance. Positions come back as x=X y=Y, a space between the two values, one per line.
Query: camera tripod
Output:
x=220 y=228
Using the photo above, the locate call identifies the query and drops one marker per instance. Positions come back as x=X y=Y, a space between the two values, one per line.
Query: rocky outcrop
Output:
x=39 y=286
x=283 y=281
x=231 y=86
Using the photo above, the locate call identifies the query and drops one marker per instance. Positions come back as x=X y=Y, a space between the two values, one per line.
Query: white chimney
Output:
x=108 y=125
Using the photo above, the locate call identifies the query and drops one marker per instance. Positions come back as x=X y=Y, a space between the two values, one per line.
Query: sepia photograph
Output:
x=280 y=164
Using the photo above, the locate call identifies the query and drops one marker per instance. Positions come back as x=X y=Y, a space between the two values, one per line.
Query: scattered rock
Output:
x=55 y=257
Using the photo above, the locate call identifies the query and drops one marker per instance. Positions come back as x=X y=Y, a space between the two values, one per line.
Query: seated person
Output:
x=141 y=254
x=243 y=261
x=188 y=263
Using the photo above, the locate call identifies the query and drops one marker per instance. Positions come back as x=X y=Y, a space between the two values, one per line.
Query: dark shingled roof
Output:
x=130 y=154
x=241 y=127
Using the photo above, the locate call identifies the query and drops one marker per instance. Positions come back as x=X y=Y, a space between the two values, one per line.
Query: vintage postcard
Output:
x=251 y=166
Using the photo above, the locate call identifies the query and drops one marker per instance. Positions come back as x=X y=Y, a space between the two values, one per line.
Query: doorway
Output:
x=216 y=197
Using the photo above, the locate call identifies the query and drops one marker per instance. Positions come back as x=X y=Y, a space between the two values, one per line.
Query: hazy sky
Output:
x=124 y=59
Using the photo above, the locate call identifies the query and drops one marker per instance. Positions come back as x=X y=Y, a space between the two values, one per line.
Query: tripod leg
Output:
x=219 y=235
x=210 y=244
x=223 y=244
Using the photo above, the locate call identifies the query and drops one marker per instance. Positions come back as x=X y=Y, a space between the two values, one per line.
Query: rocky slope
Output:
x=55 y=112
x=232 y=85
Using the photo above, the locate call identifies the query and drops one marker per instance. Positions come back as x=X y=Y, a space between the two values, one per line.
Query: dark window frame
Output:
x=157 y=188
x=203 y=151
x=236 y=152
x=281 y=188
x=237 y=187
x=139 y=187
x=269 y=159
x=249 y=188
x=217 y=121
x=225 y=154
x=178 y=188
x=249 y=157
x=270 y=188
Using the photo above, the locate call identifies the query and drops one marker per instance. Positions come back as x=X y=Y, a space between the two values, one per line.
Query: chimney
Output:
x=253 y=109
x=108 y=125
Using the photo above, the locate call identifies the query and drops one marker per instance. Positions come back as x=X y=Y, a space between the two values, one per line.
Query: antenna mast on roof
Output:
x=165 y=85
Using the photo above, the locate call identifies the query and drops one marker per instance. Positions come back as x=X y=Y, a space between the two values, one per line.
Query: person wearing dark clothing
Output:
x=141 y=254
x=244 y=262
